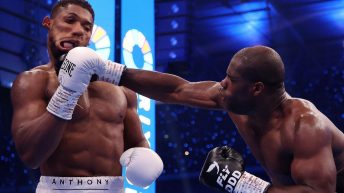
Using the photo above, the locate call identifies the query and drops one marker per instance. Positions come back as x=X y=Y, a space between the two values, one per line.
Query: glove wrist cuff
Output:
x=113 y=72
x=63 y=102
x=251 y=183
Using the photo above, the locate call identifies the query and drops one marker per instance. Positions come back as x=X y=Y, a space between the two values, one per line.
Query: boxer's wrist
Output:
x=251 y=183
x=63 y=102
x=113 y=72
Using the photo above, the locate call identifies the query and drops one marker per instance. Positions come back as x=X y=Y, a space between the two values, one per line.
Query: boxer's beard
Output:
x=59 y=63
x=239 y=106
x=58 y=55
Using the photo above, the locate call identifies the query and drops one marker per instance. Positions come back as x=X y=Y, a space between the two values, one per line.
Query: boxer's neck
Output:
x=269 y=108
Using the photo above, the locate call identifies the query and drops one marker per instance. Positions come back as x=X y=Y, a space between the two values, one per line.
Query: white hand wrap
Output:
x=75 y=75
x=143 y=166
x=63 y=102
x=112 y=73
x=249 y=183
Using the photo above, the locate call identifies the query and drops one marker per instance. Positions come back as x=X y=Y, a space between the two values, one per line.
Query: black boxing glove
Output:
x=223 y=170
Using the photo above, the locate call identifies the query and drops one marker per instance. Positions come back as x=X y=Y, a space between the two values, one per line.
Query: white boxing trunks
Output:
x=50 y=184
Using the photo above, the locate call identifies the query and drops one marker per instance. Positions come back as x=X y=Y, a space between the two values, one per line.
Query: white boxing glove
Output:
x=143 y=166
x=75 y=75
x=87 y=61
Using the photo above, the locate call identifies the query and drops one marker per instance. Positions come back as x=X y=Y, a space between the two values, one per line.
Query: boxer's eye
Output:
x=69 y=20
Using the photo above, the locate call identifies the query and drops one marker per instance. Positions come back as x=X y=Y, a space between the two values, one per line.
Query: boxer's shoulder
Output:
x=44 y=67
x=28 y=86
x=38 y=73
x=303 y=117
x=34 y=81
x=307 y=121
x=297 y=102
x=298 y=108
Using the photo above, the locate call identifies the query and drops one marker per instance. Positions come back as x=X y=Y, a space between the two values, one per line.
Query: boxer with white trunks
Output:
x=79 y=132
x=82 y=184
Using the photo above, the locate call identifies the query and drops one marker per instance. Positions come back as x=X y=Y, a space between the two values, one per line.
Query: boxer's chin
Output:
x=57 y=52
x=237 y=109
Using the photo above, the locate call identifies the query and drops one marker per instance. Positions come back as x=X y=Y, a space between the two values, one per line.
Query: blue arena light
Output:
x=335 y=14
x=175 y=8
x=49 y=2
x=174 y=24
x=173 y=41
x=172 y=55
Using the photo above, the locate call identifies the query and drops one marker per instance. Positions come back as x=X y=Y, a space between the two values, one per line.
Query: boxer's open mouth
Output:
x=68 y=45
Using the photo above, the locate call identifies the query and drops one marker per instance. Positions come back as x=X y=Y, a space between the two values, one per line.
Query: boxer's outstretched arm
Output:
x=172 y=89
x=36 y=132
x=313 y=168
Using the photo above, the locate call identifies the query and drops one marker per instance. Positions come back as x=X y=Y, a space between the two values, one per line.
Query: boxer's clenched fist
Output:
x=143 y=166
x=223 y=170
x=85 y=63
x=75 y=75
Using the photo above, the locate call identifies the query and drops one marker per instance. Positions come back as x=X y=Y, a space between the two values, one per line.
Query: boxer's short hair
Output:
x=64 y=3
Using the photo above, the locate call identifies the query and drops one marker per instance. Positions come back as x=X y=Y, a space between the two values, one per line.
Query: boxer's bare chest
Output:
x=94 y=136
x=271 y=149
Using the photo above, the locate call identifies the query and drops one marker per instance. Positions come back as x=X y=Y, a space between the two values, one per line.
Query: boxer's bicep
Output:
x=28 y=101
x=36 y=133
x=313 y=164
x=315 y=172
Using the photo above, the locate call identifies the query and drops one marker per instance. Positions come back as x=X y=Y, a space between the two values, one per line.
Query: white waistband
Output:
x=52 y=184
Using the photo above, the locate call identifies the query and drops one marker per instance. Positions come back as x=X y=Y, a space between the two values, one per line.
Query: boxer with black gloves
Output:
x=223 y=170
x=300 y=149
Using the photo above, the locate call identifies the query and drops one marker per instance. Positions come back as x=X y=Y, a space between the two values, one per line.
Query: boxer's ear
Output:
x=46 y=22
x=257 y=88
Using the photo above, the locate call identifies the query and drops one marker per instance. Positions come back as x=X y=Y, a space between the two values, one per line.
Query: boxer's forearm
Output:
x=37 y=139
x=152 y=84
x=170 y=88
x=143 y=143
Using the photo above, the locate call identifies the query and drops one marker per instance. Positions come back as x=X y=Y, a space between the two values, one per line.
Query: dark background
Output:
x=196 y=40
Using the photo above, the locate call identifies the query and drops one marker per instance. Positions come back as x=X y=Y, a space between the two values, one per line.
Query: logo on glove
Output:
x=212 y=166
x=68 y=67
x=228 y=179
